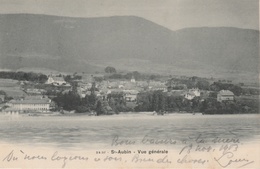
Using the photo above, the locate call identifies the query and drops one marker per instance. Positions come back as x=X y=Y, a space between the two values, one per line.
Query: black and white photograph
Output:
x=163 y=84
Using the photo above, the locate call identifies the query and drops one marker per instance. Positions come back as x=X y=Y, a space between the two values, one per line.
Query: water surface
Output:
x=77 y=132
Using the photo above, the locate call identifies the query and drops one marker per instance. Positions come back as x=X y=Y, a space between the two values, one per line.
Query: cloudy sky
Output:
x=173 y=14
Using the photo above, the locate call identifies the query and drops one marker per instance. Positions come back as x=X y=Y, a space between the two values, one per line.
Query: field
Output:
x=11 y=88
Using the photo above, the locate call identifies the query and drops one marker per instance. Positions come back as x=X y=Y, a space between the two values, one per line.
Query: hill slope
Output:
x=130 y=43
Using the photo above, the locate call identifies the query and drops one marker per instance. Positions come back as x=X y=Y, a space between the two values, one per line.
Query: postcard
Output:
x=167 y=84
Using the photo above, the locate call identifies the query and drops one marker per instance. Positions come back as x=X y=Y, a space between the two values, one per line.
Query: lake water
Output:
x=90 y=132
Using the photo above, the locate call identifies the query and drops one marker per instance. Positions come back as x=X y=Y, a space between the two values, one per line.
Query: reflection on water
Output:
x=78 y=132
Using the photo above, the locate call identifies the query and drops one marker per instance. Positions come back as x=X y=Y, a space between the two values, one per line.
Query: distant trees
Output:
x=193 y=82
x=153 y=101
x=98 y=79
x=68 y=101
x=137 y=75
x=159 y=101
x=211 y=106
x=249 y=91
x=24 y=76
x=117 y=102
x=217 y=86
x=110 y=69
x=202 y=84
x=2 y=93
x=72 y=101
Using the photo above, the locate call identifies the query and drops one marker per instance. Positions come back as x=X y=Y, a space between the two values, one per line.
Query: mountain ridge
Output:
x=125 y=42
x=114 y=16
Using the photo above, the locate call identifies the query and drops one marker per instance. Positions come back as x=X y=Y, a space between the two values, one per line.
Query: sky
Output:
x=172 y=14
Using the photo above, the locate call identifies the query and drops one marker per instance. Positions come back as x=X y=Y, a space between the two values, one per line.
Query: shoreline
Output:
x=122 y=114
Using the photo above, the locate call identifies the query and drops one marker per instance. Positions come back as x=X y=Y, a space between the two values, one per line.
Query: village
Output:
x=105 y=94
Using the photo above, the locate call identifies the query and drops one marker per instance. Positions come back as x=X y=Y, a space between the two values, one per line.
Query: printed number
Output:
x=100 y=152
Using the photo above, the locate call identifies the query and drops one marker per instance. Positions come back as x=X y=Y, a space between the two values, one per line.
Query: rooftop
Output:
x=55 y=78
x=176 y=93
x=31 y=101
x=226 y=92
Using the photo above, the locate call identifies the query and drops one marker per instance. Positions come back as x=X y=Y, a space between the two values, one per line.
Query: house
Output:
x=28 y=104
x=132 y=79
x=57 y=81
x=112 y=85
x=85 y=86
x=34 y=91
x=192 y=93
x=189 y=95
x=224 y=95
x=195 y=91
x=155 y=85
x=130 y=95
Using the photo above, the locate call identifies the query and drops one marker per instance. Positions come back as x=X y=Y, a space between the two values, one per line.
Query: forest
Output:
x=24 y=76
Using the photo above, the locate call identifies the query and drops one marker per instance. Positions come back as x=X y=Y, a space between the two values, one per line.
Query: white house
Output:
x=132 y=79
x=189 y=95
x=58 y=81
x=192 y=93
x=225 y=95
x=195 y=91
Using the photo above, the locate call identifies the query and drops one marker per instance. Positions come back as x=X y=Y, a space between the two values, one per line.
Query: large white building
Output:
x=28 y=105
x=224 y=95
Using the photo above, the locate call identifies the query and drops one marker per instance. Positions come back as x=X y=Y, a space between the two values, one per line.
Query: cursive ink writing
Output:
x=10 y=157
x=137 y=159
x=57 y=157
x=147 y=140
x=117 y=142
x=33 y=157
x=185 y=159
x=164 y=160
x=108 y=158
x=187 y=148
x=226 y=140
x=228 y=158
x=228 y=148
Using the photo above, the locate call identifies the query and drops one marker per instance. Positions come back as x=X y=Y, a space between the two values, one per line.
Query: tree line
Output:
x=152 y=101
x=71 y=100
x=24 y=76
x=135 y=74
x=159 y=101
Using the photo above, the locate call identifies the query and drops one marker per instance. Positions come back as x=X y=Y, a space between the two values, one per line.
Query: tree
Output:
x=92 y=99
x=2 y=93
x=110 y=69
x=68 y=101
x=99 y=108
x=203 y=85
